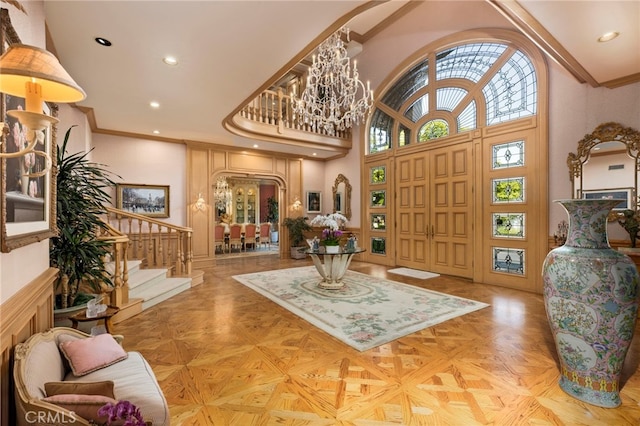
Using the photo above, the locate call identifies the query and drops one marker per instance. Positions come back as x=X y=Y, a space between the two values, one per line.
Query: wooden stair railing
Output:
x=119 y=296
x=156 y=243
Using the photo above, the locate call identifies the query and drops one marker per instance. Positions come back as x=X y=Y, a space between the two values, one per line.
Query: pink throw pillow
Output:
x=93 y=353
x=85 y=406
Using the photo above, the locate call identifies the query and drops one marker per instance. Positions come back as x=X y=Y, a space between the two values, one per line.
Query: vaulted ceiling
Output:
x=228 y=51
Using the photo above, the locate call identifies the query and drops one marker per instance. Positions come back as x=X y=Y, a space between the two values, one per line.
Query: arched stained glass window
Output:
x=509 y=94
x=419 y=109
x=414 y=80
x=404 y=136
x=448 y=98
x=380 y=131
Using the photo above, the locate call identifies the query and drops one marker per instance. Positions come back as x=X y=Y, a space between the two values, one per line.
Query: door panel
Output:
x=434 y=189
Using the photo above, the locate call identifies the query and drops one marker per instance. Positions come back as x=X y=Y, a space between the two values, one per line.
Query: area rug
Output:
x=366 y=313
x=413 y=273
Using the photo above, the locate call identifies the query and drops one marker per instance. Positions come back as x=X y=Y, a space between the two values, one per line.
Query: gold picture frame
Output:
x=27 y=201
x=147 y=200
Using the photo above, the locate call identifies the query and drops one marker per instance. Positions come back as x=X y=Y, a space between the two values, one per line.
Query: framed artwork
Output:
x=28 y=189
x=625 y=194
x=314 y=202
x=147 y=200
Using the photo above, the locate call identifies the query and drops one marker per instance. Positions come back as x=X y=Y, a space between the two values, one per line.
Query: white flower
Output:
x=333 y=221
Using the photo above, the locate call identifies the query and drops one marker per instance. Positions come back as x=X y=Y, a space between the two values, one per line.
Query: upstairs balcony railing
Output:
x=275 y=108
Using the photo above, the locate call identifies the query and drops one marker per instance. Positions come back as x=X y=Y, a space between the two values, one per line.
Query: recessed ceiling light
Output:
x=102 y=41
x=255 y=145
x=314 y=154
x=154 y=104
x=170 y=60
x=156 y=132
x=608 y=36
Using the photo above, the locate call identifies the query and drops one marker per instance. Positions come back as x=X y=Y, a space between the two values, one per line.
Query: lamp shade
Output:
x=22 y=64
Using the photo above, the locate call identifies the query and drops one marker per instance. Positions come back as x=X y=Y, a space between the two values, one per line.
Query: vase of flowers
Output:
x=332 y=233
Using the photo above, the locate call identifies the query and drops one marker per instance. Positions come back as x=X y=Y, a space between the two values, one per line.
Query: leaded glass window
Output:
x=378 y=245
x=508 y=225
x=511 y=93
x=467 y=61
x=378 y=198
x=448 y=98
x=508 y=260
x=404 y=135
x=418 y=109
x=467 y=118
x=378 y=222
x=380 y=132
x=510 y=154
x=410 y=83
x=434 y=129
x=509 y=190
x=378 y=175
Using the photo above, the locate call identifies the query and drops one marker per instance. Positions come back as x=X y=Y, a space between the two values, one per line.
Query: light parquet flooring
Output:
x=225 y=355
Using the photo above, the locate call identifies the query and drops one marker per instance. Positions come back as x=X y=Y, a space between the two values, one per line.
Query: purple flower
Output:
x=122 y=410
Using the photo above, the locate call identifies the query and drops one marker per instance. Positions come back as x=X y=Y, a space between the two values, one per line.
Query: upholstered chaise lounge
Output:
x=41 y=360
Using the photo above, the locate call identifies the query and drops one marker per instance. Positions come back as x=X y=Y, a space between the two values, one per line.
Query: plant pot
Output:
x=331 y=249
x=591 y=299
x=298 y=252
x=274 y=236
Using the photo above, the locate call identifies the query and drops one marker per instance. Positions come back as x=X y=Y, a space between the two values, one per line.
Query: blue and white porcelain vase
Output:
x=591 y=299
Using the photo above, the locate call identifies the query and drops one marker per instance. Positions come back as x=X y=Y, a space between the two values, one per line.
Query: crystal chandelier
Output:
x=222 y=194
x=329 y=100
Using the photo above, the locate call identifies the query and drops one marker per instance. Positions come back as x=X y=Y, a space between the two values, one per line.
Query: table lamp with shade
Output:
x=35 y=74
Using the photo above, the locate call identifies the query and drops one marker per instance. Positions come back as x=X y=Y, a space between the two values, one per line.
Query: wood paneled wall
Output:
x=27 y=312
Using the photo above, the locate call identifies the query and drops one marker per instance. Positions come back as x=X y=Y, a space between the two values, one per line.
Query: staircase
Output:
x=154 y=285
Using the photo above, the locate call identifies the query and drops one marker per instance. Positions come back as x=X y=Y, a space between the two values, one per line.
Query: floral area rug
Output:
x=366 y=312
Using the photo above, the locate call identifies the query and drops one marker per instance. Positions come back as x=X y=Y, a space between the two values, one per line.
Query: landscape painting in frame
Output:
x=147 y=200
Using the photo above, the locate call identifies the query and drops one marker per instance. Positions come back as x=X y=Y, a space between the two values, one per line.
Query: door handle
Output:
x=432 y=232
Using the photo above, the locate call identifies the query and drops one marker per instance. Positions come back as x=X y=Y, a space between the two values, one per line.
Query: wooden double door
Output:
x=434 y=210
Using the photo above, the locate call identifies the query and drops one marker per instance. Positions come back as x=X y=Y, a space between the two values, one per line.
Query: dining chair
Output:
x=219 y=237
x=265 y=234
x=250 y=235
x=235 y=236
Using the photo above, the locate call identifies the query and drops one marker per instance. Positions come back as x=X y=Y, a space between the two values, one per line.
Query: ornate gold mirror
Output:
x=342 y=196
x=606 y=165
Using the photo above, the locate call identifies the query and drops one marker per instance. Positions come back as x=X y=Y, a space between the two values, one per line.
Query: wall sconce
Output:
x=297 y=205
x=200 y=204
x=36 y=75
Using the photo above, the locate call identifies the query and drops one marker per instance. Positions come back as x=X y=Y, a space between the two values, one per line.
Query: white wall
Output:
x=313 y=179
x=139 y=161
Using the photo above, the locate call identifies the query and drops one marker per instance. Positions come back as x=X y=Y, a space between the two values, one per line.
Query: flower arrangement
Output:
x=332 y=224
x=122 y=410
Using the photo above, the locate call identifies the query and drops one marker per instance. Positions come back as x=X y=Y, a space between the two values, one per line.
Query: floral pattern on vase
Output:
x=591 y=299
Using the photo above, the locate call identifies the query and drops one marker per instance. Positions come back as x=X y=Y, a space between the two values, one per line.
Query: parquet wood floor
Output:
x=225 y=355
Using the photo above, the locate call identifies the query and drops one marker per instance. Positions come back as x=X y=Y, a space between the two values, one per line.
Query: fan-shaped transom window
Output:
x=508 y=92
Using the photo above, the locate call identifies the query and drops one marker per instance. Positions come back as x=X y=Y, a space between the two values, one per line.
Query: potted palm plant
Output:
x=297 y=227
x=76 y=251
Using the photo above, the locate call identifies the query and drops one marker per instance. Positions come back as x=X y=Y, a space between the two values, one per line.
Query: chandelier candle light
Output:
x=329 y=100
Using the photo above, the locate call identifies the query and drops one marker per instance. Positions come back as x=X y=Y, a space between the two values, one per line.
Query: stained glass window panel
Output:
x=509 y=154
x=378 y=222
x=378 y=198
x=380 y=132
x=418 y=109
x=448 y=98
x=467 y=118
x=508 y=225
x=414 y=80
x=433 y=129
x=508 y=260
x=378 y=246
x=512 y=92
x=468 y=61
x=404 y=135
x=378 y=174
x=510 y=190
